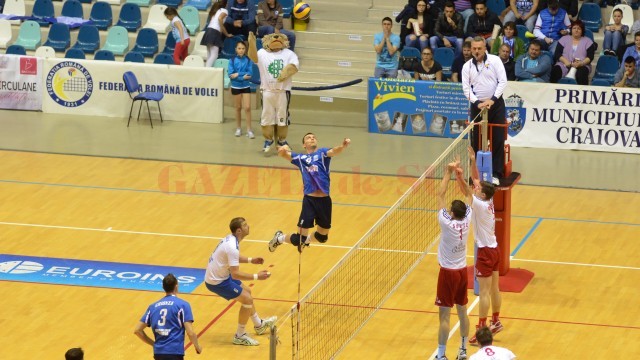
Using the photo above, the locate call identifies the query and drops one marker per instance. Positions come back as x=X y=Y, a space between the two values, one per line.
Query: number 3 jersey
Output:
x=166 y=319
x=271 y=65
x=452 y=251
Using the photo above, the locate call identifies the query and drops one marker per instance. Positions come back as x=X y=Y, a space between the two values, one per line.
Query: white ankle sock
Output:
x=441 y=350
x=240 y=330
x=256 y=319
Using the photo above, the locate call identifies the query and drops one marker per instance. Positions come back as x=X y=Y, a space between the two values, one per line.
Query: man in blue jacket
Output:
x=533 y=66
x=242 y=17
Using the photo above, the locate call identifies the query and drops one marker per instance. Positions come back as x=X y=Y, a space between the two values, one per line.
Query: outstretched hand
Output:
x=472 y=154
x=257 y=260
x=263 y=275
x=346 y=142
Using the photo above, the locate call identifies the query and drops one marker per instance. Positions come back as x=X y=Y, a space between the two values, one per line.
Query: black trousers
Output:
x=496 y=116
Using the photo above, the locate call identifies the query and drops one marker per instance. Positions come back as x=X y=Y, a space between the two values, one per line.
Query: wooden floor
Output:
x=581 y=244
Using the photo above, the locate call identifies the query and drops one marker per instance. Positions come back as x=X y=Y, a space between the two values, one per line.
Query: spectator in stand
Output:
x=509 y=65
x=510 y=37
x=481 y=23
x=459 y=61
x=464 y=8
x=270 y=16
x=628 y=75
x=574 y=51
x=614 y=34
x=428 y=69
x=552 y=24
x=386 y=45
x=215 y=33
x=533 y=67
x=242 y=17
x=448 y=30
x=421 y=26
x=570 y=6
x=409 y=11
x=633 y=51
x=523 y=11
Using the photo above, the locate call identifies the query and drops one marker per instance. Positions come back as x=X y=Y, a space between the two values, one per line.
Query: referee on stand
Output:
x=483 y=82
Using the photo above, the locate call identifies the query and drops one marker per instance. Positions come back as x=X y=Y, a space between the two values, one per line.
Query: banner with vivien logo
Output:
x=20 y=82
x=557 y=116
x=88 y=87
x=419 y=108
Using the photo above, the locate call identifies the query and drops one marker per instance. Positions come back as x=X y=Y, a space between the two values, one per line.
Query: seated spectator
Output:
x=574 y=51
x=420 y=26
x=459 y=61
x=270 y=20
x=481 y=23
x=552 y=24
x=408 y=12
x=570 y=6
x=627 y=76
x=509 y=35
x=533 y=67
x=448 y=30
x=523 y=11
x=633 y=50
x=464 y=8
x=614 y=34
x=507 y=61
x=241 y=18
x=428 y=69
x=386 y=45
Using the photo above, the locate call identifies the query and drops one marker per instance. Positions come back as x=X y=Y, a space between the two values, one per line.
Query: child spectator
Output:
x=212 y=38
x=180 y=33
x=240 y=72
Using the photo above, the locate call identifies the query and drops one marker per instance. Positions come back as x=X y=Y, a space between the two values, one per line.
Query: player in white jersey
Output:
x=452 y=256
x=480 y=196
x=223 y=278
x=488 y=351
x=277 y=64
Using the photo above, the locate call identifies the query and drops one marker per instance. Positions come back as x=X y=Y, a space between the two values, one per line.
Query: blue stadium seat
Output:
x=101 y=15
x=255 y=78
x=74 y=53
x=600 y=82
x=287 y=7
x=72 y=8
x=199 y=4
x=496 y=6
x=130 y=17
x=191 y=19
x=163 y=58
x=606 y=68
x=117 y=40
x=42 y=9
x=29 y=35
x=16 y=50
x=171 y=3
x=409 y=51
x=134 y=56
x=85 y=1
x=591 y=16
x=88 y=39
x=229 y=47
x=133 y=88
x=522 y=31
x=567 y=81
x=445 y=57
x=146 y=42
x=59 y=37
x=104 y=55
x=169 y=44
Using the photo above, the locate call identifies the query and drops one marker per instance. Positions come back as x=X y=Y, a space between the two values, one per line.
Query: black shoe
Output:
x=301 y=246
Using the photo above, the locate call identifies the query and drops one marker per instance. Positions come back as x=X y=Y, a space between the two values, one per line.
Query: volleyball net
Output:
x=342 y=302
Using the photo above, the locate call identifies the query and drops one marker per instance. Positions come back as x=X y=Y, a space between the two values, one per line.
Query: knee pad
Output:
x=321 y=238
x=295 y=239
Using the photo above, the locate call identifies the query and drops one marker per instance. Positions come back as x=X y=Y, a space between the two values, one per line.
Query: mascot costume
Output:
x=276 y=64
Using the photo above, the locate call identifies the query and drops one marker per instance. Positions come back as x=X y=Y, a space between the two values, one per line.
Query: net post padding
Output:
x=343 y=301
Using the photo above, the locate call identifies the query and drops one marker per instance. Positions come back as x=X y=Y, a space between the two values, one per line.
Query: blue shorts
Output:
x=228 y=289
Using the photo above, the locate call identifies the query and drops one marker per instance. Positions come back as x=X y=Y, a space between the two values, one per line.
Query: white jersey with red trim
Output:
x=452 y=251
x=493 y=353
x=484 y=223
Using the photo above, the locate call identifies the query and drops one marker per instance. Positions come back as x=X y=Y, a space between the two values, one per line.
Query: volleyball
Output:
x=301 y=11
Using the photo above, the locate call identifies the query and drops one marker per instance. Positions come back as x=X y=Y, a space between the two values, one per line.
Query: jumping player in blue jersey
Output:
x=316 y=204
x=168 y=318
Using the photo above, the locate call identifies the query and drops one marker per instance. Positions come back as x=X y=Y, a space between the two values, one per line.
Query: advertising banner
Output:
x=20 y=82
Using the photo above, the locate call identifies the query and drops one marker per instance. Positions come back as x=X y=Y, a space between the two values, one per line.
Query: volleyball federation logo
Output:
x=69 y=84
x=516 y=114
x=18 y=267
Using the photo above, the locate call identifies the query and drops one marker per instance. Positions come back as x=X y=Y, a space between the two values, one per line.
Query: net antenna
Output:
x=332 y=313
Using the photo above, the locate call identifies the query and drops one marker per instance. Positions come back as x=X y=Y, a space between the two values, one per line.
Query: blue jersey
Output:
x=166 y=318
x=315 y=170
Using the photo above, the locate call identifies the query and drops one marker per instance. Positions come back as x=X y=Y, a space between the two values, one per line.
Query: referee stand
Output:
x=511 y=279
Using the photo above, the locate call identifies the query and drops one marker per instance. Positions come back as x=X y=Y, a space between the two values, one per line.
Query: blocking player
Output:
x=316 y=204
x=480 y=196
x=488 y=351
x=223 y=278
x=452 y=255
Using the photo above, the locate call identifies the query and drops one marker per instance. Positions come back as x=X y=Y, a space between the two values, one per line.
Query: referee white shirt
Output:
x=483 y=80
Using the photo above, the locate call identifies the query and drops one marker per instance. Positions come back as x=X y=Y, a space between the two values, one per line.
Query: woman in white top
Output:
x=212 y=38
x=180 y=33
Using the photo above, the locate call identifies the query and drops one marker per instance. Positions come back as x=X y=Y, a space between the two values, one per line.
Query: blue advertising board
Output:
x=95 y=273
x=418 y=108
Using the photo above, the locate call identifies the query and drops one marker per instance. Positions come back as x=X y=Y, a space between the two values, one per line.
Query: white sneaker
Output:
x=273 y=243
x=267 y=145
x=462 y=354
x=250 y=135
x=266 y=325
x=244 y=340
x=238 y=132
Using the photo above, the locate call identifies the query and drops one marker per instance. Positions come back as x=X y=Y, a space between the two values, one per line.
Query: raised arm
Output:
x=338 y=149
x=442 y=192
x=253 y=50
x=284 y=152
